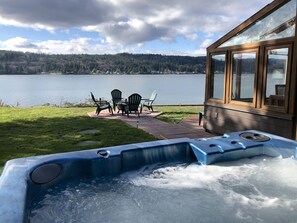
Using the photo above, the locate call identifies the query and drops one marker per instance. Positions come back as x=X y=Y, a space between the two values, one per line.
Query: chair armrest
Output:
x=145 y=100
x=103 y=102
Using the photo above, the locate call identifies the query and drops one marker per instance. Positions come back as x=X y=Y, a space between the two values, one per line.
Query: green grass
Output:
x=175 y=114
x=45 y=130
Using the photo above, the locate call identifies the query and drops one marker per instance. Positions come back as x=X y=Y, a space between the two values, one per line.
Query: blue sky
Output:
x=171 y=27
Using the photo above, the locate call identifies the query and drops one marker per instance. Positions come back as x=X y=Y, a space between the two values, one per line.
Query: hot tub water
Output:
x=260 y=189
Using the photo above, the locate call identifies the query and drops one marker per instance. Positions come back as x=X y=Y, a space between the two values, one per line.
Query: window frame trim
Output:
x=242 y=103
x=209 y=75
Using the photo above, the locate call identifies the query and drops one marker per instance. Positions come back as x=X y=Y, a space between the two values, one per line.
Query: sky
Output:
x=168 y=27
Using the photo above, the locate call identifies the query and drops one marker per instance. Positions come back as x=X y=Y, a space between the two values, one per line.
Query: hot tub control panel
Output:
x=238 y=145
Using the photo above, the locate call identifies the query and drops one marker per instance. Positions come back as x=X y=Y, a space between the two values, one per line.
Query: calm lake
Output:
x=33 y=90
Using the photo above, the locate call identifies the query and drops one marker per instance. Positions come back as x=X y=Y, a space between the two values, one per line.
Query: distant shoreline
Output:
x=13 y=62
x=106 y=74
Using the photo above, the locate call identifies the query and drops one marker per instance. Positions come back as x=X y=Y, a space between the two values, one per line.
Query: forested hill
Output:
x=31 y=63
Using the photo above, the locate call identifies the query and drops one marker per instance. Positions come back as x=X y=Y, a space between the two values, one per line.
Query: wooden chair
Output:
x=276 y=100
x=116 y=97
x=149 y=102
x=132 y=104
x=280 y=89
x=101 y=105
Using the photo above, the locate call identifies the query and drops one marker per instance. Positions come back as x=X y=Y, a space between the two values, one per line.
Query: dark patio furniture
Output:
x=116 y=97
x=121 y=106
x=280 y=89
x=101 y=105
x=200 y=116
x=149 y=102
x=132 y=104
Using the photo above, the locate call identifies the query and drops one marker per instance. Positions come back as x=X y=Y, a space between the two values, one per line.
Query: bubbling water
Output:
x=249 y=190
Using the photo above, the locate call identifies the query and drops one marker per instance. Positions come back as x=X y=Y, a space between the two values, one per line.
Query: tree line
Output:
x=13 y=62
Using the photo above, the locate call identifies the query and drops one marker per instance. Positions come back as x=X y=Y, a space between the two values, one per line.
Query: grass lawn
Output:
x=45 y=130
x=175 y=114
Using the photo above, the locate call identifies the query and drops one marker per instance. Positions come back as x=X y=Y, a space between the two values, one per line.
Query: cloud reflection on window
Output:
x=279 y=24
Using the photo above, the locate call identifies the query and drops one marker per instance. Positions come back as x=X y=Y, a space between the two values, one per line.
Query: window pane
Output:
x=217 y=76
x=277 y=64
x=243 y=76
x=279 y=24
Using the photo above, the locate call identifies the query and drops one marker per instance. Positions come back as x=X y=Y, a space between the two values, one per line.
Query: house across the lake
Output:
x=251 y=74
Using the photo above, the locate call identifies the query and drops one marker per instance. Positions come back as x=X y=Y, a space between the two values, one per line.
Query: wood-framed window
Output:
x=243 y=77
x=216 y=86
x=277 y=77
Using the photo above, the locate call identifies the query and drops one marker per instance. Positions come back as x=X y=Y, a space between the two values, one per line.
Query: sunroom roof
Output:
x=278 y=24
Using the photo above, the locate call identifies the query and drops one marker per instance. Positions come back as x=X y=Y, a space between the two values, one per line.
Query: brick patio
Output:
x=188 y=128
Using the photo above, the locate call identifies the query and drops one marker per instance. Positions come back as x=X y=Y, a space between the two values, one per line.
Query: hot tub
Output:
x=160 y=181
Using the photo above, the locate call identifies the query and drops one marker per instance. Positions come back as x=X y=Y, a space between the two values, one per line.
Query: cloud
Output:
x=73 y=46
x=206 y=43
x=131 y=22
x=133 y=31
x=57 y=13
x=18 y=43
x=82 y=46
x=201 y=49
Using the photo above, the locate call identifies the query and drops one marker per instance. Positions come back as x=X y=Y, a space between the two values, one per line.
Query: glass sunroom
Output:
x=251 y=74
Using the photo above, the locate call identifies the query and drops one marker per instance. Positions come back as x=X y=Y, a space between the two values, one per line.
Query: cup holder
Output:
x=103 y=153
x=255 y=137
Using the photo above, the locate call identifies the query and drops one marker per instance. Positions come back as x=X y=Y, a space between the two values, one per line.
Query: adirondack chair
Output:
x=116 y=97
x=101 y=105
x=149 y=102
x=132 y=104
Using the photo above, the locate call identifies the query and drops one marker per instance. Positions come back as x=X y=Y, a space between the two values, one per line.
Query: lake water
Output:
x=33 y=90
